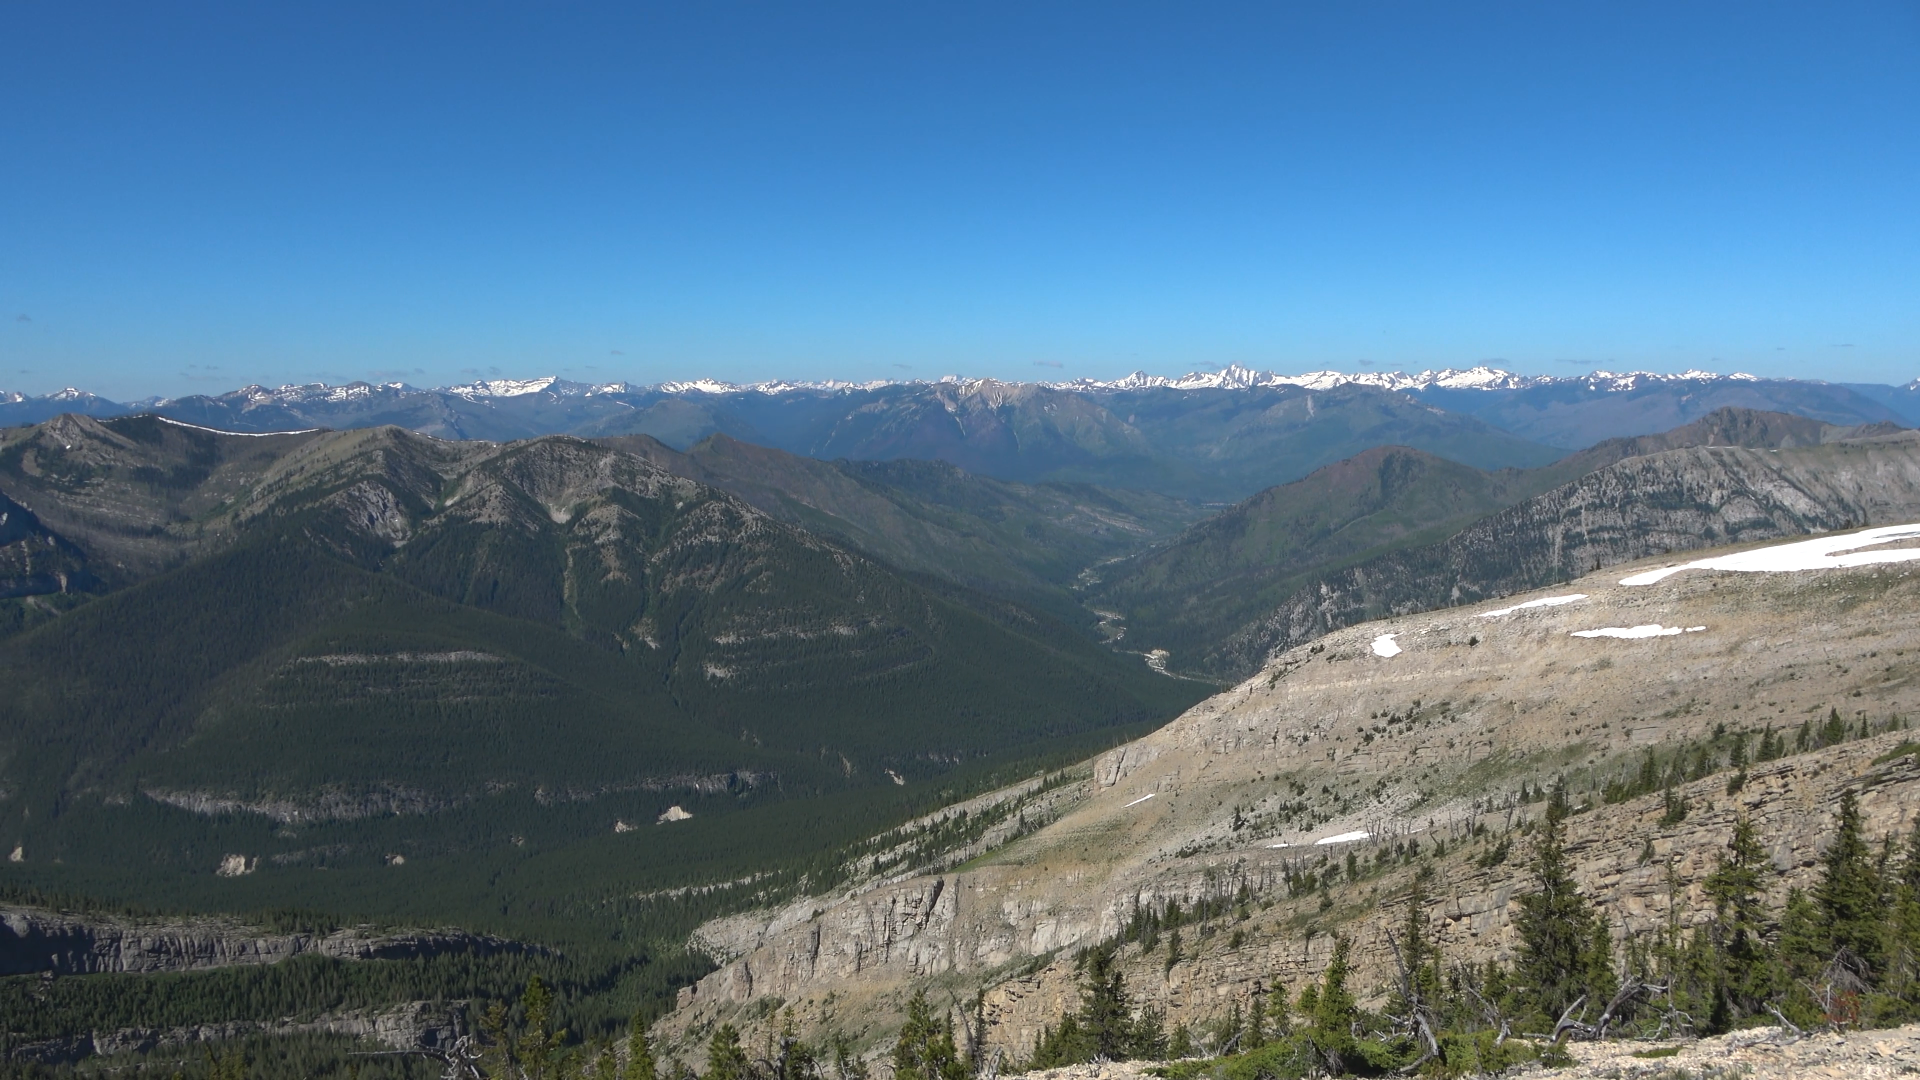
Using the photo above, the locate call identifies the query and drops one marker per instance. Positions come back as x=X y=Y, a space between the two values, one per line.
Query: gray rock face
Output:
x=415 y=1025
x=33 y=941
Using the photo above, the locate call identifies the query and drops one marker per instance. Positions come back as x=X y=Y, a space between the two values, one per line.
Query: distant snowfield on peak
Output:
x=503 y=387
x=1820 y=553
x=1384 y=645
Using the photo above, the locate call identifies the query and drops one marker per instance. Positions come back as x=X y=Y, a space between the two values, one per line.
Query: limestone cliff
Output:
x=36 y=940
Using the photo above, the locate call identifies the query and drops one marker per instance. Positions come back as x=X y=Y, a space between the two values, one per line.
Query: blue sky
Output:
x=194 y=197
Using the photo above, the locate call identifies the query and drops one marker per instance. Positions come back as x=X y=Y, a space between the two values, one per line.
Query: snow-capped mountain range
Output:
x=1232 y=377
x=925 y=418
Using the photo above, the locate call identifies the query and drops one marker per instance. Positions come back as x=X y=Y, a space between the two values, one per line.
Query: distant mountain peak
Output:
x=1479 y=377
x=501 y=388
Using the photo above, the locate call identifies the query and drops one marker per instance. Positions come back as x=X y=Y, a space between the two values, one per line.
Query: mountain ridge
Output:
x=1197 y=590
x=1082 y=429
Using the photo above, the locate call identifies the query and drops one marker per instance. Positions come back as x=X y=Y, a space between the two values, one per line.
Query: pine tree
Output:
x=528 y=1051
x=1418 y=952
x=1106 y=1015
x=1849 y=896
x=925 y=1050
x=1564 y=942
x=1064 y=1045
x=1255 y=1035
x=1903 y=961
x=1150 y=1035
x=1228 y=1034
x=640 y=1065
x=1745 y=973
x=726 y=1058
x=1279 y=1012
x=1333 y=1011
x=1834 y=731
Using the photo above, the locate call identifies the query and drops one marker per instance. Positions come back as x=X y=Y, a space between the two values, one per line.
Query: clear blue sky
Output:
x=193 y=197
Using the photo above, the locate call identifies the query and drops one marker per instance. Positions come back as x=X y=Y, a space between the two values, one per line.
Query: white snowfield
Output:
x=1645 y=631
x=1820 y=553
x=1384 y=646
x=1141 y=799
x=1343 y=838
x=1545 y=601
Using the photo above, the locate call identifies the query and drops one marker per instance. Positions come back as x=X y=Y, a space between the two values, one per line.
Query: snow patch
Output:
x=1344 y=838
x=1545 y=601
x=1820 y=553
x=1141 y=799
x=1645 y=631
x=1384 y=646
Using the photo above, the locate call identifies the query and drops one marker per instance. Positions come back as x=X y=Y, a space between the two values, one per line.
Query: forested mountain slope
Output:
x=438 y=640
x=1025 y=540
x=1205 y=586
x=1677 y=500
x=1234 y=567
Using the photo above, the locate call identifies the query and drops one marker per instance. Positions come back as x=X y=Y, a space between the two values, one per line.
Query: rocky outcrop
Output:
x=1642 y=873
x=415 y=1025
x=34 y=940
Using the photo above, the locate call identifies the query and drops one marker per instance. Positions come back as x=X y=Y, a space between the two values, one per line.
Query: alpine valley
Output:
x=760 y=717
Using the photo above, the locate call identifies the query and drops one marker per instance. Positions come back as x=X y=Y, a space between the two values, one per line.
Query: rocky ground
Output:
x=1757 y=1054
